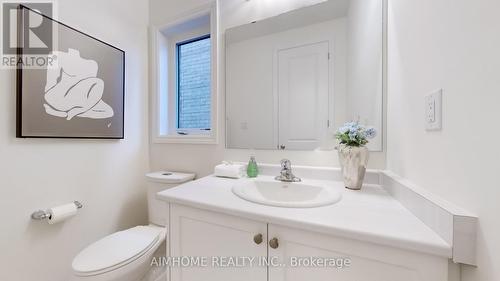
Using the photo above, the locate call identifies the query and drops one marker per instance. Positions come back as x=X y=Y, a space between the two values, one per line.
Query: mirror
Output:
x=293 y=79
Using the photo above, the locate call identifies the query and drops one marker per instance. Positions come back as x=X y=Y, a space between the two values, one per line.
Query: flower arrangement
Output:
x=354 y=134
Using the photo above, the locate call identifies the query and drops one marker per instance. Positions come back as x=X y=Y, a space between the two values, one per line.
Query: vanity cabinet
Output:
x=200 y=233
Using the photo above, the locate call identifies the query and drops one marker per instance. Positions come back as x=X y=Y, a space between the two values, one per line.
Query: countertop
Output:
x=369 y=215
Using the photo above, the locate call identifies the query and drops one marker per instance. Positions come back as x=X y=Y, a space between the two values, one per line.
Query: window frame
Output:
x=177 y=86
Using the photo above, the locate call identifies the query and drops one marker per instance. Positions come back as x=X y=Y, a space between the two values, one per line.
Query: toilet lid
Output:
x=118 y=248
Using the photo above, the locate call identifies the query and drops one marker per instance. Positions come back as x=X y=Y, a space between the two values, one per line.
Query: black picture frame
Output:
x=20 y=112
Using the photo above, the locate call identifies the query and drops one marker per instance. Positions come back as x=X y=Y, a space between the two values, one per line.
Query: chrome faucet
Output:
x=286 y=174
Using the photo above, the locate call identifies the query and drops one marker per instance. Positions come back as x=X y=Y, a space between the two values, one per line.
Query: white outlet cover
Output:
x=433 y=111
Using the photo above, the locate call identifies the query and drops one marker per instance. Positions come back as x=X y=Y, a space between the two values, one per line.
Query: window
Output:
x=193 y=85
x=183 y=74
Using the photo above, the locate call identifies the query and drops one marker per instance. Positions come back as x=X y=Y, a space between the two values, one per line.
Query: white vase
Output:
x=353 y=160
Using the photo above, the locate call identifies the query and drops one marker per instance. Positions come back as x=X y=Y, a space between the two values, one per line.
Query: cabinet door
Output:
x=367 y=261
x=200 y=233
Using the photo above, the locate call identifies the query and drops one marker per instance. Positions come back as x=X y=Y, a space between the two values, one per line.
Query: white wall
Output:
x=364 y=66
x=202 y=158
x=106 y=176
x=454 y=45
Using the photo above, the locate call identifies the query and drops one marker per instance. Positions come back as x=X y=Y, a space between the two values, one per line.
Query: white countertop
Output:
x=369 y=215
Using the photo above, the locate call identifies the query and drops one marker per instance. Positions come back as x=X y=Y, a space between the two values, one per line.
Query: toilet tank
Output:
x=159 y=181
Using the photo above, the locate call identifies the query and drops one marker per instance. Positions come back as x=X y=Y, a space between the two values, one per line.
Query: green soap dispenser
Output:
x=252 y=169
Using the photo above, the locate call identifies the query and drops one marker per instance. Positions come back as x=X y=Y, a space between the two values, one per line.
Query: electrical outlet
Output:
x=433 y=112
x=430 y=105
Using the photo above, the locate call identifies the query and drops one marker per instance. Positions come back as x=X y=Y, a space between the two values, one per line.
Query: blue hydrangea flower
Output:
x=354 y=134
x=344 y=129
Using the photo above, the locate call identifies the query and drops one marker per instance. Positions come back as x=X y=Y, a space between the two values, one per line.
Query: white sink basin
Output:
x=267 y=191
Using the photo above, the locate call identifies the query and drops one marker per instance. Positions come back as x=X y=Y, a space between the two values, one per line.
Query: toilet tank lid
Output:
x=169 y=177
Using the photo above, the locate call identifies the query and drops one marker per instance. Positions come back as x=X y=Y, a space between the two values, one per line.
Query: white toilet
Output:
x=126 y=255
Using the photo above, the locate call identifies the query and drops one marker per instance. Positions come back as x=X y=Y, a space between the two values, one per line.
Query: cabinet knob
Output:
x=273 y=243
x=257 y=238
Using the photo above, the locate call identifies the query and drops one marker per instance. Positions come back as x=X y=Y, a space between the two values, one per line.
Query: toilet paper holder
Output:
x=41 y=215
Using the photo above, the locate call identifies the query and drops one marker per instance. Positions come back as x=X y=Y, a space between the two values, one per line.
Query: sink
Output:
x=267 y=191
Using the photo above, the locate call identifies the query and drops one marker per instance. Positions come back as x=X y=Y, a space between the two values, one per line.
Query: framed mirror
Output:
x=293 y=79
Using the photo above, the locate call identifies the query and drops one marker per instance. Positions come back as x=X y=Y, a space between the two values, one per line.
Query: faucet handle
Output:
x=286 y=164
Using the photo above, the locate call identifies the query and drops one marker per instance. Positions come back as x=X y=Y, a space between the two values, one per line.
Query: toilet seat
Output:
x=116 y=250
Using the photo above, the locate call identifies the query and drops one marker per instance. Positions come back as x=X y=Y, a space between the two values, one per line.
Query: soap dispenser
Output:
x=252 y=169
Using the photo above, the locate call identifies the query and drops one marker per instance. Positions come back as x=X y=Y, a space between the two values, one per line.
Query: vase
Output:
x=353 y=160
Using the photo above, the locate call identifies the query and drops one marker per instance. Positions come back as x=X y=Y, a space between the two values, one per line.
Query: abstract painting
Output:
x=78 y=93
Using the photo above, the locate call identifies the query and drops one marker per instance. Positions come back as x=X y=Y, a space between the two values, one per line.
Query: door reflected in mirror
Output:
x=293 y=79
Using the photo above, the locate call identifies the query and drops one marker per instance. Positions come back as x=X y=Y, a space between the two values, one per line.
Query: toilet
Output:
x=126 y=255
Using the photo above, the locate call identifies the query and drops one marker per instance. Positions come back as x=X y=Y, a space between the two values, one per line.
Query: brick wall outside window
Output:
x=194 y=96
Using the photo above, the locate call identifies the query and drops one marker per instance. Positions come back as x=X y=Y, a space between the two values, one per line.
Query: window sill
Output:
x=186 y=139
